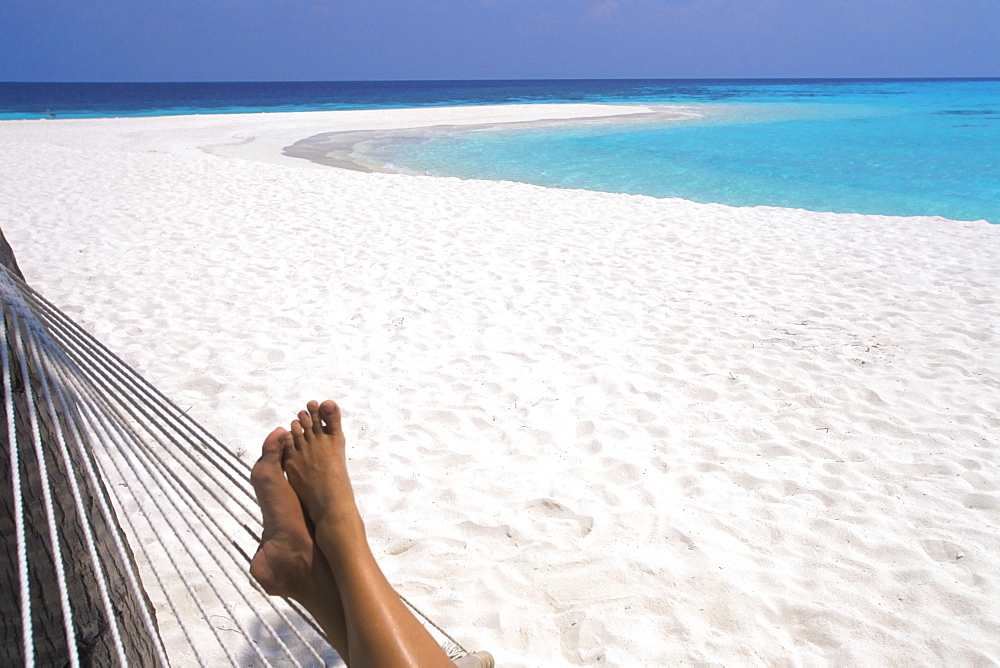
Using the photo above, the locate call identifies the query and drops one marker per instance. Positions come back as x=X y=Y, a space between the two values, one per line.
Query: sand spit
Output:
x=584 y=427
x=358 y=150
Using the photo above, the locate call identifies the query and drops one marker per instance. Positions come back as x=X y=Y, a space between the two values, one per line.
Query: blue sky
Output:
x=241 y=40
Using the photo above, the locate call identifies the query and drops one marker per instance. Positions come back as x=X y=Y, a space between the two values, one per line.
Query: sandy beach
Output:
x=583 y=427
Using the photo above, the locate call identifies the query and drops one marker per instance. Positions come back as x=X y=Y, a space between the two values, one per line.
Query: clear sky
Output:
x=257 y=40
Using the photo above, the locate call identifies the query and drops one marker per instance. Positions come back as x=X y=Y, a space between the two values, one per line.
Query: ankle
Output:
x=340 y=533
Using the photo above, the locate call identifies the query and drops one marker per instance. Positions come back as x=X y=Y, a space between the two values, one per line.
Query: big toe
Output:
x=268 y=467
x=329 y=412
x=273 y=444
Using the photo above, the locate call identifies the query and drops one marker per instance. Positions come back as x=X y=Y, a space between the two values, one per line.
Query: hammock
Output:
x=128 y=528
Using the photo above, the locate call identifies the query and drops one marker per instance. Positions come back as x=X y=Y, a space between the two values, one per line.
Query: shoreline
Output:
x=352 y=149
x=581 y=426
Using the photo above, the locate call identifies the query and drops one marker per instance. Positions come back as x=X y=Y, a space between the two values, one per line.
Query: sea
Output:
x=903 y=147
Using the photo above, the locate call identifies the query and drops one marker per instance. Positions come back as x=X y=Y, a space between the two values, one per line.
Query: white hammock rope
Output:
x=28 y=645
x=36 y=437
x=181 y=497
x=132 y=577
x=95 y=559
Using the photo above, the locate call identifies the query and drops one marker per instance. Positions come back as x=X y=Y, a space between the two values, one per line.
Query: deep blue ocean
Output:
x=897 y=147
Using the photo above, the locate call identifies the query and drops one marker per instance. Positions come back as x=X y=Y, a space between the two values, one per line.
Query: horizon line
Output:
x=537 y=79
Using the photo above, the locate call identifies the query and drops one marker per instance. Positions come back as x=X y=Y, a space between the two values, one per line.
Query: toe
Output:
x=329 y=412
x=298 y=435
x=306 y=421
x=272 y=444
x=268 y=467
x=317 y=425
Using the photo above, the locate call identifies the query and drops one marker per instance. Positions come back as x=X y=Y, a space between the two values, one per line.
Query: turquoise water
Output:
x=895 y=148
x=928 y=147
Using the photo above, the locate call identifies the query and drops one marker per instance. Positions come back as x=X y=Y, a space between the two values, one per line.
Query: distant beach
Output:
x=583 y=427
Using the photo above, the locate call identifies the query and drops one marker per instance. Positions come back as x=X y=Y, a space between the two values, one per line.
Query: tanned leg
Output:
x=381 y=630
x=288 y=563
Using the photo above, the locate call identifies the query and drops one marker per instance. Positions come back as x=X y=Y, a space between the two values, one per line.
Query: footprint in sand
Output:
x=548 y=510
x=581 y=637
x=942 y=551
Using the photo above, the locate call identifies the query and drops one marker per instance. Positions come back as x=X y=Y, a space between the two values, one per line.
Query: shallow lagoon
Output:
x=894 y=148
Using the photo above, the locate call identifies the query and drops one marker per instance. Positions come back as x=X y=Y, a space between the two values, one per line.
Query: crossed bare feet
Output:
x=288 y=562
x=314 y=550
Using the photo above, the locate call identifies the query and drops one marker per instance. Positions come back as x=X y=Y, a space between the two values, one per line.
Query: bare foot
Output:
x=287 y=558
x=316 y=464
x=289 y=562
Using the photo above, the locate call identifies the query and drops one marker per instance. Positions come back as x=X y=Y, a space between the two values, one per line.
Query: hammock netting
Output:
x=128 y=528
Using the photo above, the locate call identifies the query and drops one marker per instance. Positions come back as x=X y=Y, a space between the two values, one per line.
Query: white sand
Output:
x=583 y=427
